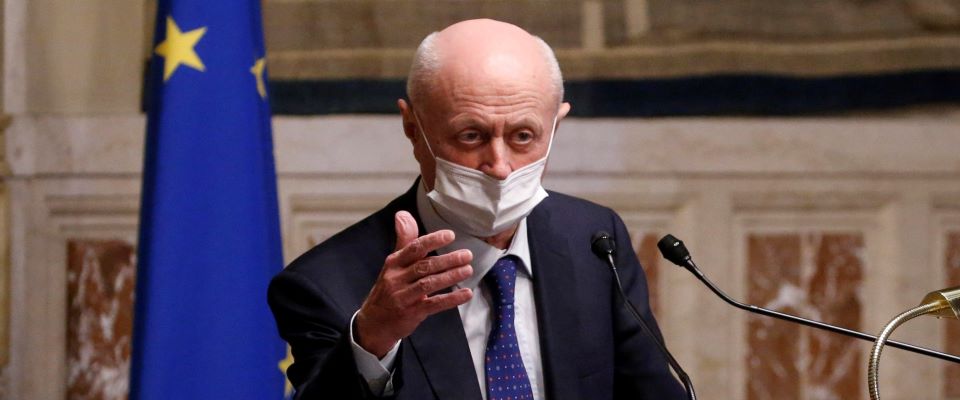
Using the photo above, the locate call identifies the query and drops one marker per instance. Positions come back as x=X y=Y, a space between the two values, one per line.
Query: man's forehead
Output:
x=482 y=95
x=496 y=81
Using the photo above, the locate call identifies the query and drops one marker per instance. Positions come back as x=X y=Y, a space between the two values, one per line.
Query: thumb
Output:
x=406 y=228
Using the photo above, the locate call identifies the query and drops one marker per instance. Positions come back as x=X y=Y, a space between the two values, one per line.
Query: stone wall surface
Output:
x=816 y=276
x=851 y=219
x=100 y=286
x=774 y=273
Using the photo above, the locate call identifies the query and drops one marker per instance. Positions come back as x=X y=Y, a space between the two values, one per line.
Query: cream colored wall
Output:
x=72 y=86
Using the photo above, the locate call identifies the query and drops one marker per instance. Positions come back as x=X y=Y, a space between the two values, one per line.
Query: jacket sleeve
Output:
x=641 y=372
x=317 y=330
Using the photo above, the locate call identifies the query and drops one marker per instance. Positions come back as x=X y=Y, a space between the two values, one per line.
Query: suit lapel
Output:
x=441 y=347
x=554 y=287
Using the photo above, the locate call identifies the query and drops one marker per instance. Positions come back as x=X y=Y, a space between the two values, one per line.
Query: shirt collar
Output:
x=484 y=255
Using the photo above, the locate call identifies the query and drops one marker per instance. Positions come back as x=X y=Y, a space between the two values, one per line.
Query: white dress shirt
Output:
x=475 y=314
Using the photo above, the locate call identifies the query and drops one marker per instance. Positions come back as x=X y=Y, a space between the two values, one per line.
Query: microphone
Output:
x=674 y=251
x=604 y=247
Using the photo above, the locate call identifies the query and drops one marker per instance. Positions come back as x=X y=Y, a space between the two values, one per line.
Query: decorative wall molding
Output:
x=95 y=216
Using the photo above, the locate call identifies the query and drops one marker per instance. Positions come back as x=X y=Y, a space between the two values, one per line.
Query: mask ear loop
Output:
x=553 y=133
x=423 y=132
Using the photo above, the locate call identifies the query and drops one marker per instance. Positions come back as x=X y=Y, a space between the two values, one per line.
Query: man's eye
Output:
x=523 y=137
x=469 y=137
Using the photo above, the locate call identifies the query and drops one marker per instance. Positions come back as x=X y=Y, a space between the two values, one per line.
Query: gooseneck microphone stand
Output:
x=939 y=303
x=604 y=247
x=674 y=251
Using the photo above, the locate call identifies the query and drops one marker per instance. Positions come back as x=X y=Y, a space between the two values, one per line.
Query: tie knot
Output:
x=501 y=279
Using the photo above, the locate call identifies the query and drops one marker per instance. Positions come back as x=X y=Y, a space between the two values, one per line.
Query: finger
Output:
x=406 y=227
x=434 y=265
x=432 y=283
x=421 y=246
x=445 y=301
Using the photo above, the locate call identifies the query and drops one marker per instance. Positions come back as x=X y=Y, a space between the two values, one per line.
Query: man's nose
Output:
x=496 y=160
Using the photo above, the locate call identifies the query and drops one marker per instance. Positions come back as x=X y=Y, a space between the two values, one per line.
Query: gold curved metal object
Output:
x=940 y=303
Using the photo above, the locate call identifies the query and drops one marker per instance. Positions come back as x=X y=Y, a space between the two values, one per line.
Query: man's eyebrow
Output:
x=526 y=120
x=522 y=121
x=465 y=120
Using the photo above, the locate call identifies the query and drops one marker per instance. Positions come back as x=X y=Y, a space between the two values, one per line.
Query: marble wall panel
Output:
x=100 y=284
x=773 y=271
x=951 y=379
x=833 y=366
x=816 y=276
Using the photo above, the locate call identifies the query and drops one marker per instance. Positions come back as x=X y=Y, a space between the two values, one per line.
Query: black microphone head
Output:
x=674 y=250
x=603 y=244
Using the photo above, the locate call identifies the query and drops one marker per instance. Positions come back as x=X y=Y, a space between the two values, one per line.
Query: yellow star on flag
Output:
x=177 y=48
x=257 y=71
x=283 y=365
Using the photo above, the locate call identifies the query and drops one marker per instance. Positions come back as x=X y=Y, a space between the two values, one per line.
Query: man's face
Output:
x=494 y=124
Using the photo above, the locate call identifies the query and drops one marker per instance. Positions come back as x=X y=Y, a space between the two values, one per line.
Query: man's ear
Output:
x=409 y=122
x=564 y=109
x=561 y=113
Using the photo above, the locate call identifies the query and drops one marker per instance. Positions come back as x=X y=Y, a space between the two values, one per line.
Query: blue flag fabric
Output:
x=209 y=226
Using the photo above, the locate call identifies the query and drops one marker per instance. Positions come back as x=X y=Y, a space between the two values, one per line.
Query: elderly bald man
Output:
x=476 y=283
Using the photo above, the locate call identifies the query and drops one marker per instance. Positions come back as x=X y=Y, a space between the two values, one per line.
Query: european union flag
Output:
x=209 y=229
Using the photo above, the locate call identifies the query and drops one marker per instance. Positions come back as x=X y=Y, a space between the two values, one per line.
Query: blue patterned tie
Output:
x=506 y=377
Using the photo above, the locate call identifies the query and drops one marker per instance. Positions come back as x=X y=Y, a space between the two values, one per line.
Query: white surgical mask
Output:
x=481 y=205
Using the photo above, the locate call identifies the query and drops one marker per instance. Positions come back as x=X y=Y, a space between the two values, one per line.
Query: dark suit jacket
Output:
x=591 y=348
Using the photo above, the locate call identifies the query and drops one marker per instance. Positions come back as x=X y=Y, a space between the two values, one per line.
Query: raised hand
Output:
x=405 y=292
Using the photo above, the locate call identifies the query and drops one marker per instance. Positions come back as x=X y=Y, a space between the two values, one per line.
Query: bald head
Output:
x=483 y=51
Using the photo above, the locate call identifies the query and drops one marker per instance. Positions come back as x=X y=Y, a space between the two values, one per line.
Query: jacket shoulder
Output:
x=574 y=207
